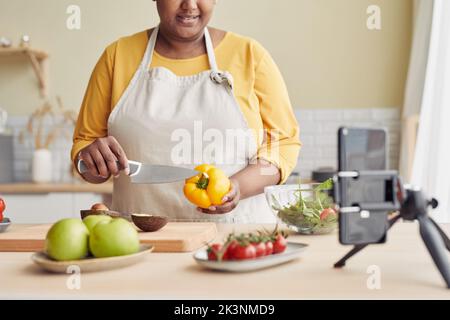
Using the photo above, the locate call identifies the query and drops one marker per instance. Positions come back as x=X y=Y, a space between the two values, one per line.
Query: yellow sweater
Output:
x=258 y=86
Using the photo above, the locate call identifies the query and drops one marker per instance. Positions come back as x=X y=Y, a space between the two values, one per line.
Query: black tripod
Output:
x=414 y=207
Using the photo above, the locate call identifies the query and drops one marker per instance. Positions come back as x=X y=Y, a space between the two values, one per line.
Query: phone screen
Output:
x=362 y=149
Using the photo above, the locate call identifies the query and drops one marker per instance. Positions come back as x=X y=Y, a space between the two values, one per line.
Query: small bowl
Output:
x=148 y=222
x=4 y=224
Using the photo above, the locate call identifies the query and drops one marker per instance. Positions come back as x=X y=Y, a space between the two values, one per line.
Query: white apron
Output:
x=183 y=121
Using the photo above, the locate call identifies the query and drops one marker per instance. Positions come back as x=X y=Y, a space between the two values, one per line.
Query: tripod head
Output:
x=415 y=204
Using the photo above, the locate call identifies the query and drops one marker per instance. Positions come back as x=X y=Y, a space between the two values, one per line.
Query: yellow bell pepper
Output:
x=208 y=187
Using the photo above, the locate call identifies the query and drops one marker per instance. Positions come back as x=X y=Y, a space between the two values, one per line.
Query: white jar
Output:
x=42 y=166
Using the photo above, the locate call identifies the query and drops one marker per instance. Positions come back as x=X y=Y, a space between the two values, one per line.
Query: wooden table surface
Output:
x=405 y=268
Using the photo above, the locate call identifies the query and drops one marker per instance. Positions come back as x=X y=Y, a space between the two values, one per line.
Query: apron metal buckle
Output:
x=221 y=77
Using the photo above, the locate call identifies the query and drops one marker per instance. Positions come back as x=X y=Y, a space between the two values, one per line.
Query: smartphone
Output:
x=362 y=149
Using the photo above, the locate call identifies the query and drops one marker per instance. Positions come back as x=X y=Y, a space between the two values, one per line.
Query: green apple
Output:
x=117 y=237
x=92 y=220
x=67 y=239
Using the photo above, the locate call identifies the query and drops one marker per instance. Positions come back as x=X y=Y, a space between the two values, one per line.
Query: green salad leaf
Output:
x=326 y=185
x=305 y=212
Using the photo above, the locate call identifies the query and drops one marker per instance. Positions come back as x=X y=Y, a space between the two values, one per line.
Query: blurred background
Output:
x=348 y=62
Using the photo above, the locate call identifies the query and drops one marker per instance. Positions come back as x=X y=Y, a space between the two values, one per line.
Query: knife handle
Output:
x=133 y=165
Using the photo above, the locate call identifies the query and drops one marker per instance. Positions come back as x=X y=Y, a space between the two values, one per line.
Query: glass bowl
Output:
x=303 y=208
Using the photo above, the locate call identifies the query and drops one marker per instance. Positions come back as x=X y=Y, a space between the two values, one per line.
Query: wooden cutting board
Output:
x=174 y=237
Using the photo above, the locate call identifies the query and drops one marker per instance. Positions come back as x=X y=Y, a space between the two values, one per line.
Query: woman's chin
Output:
x=187 y=30
x=188 y=33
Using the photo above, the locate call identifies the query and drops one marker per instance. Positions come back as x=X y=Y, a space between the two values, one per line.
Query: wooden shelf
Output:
x=38 y=61
x=40 y=55
x=44 y=188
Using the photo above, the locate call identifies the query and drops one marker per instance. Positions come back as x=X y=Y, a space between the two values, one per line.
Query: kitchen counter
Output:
x=405 y=268
x=43 y=188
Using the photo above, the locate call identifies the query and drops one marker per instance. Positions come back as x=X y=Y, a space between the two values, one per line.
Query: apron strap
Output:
x=148 y=56
x=210 y=51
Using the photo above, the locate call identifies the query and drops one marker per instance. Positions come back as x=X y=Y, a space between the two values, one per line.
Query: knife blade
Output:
x=150 y=174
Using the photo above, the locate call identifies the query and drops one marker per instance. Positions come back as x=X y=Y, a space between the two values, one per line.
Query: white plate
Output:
x=90 y=264
x=293 y=251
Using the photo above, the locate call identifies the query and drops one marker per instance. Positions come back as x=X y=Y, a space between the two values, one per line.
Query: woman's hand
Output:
x=229 y=202
x=101 y=158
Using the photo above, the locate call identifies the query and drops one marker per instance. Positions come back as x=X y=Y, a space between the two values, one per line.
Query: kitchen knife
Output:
x=149 y=173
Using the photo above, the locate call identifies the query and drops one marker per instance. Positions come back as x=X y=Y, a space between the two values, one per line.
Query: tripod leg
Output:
x=359 y=247
x=351 y=253
x=393 y=220
x=436 y=247
x=443 y=235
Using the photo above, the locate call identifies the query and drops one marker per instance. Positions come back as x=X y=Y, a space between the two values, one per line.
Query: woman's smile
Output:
x=187 y=20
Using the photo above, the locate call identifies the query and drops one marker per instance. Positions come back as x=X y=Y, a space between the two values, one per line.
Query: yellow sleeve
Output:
x=94 y=112
x=281 y=144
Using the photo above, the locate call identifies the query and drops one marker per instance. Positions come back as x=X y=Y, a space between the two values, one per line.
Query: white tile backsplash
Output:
x=318 y=133
x=23 y=153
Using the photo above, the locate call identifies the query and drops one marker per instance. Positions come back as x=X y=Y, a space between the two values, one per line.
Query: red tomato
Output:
x=279 y=245
x=2 y=208
x=229 y=253
x=260 y=249
x=213 y=250
x=243 y=252
x=327 y=212
x=269 y=248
